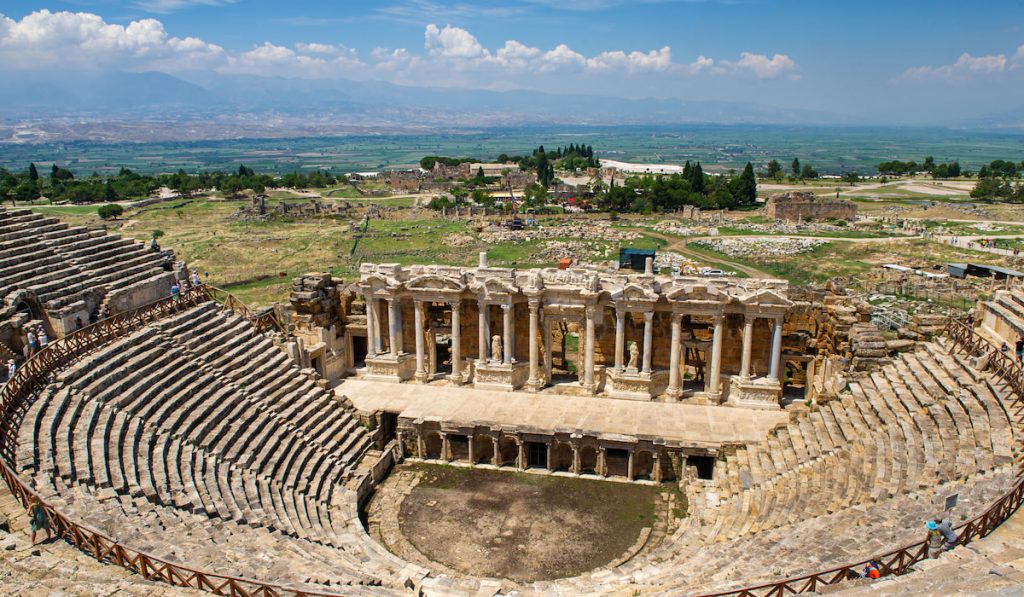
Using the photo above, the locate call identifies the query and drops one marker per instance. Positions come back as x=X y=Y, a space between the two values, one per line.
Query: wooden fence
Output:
x=963 y=338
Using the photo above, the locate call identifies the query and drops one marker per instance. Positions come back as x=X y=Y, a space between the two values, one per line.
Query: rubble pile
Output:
x=761 y=247
x=457 y=240
x=577 y=250
x=601 y=231
x=676 y=262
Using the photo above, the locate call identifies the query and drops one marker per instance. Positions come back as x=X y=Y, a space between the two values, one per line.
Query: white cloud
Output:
x=701 y=64
x=759 y=65
x=965 y=65
x=1020 y=53
x=632 y=62
x=516 y=55
x=44 y=38
x=452 y=42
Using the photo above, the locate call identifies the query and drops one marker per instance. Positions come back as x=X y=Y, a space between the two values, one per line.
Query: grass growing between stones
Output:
x=524 y=526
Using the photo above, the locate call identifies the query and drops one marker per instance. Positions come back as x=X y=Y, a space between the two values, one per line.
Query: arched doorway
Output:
x=588 y=461
x=562 y=458
x=432 y=446
x=643 y=465
x=508 y=452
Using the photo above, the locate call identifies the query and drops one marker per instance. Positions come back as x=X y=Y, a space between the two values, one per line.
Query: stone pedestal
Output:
x=386 y=367
x=492 y=375
x=760 y=394
x=630 y=384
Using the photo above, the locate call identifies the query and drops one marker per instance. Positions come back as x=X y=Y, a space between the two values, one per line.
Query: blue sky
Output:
x=895 y=61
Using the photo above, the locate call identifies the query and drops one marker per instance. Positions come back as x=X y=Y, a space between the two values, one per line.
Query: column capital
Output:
x=506 y=306
x=648 y=315
x=534 y=303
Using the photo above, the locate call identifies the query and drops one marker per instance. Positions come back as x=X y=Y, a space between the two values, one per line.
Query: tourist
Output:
x=195 y=278
x=872 y=570
x=33 y=343
x=11 y=368
x=949 y=537
x=40 y=520
x=44 y=340
x=1020 y=348
x=78 y=322
x=175 y=291
x=933 y=541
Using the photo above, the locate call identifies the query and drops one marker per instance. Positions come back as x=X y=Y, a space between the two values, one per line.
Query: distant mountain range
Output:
x=58 y=107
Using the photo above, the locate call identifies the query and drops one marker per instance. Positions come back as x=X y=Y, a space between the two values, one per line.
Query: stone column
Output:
x=575 y=459
x=421 y=370
x=748 y=342
x=508 y=335
x=378 y=337
x=588 y=356
x=620 y=338
x=648 y=341
x=446 y=448
x=472 y=450
x=457 y=341
x=629 y=465
x=551 y=456
x=395 y=326
x=674 y=390
x=371 y=336
x=713 y=388
x=776 y=360
x=494 y=452
x=656 y=473
x=483 y=334
x=420 y=449
x=602 y=462
x=547 y=350
x=520 y=457
x=809 y=384
x=533 y=383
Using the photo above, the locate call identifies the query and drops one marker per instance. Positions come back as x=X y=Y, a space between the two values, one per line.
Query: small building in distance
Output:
x=800 y=206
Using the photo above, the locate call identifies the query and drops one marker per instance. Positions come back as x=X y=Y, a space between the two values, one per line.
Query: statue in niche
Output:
x=634 y=355
x=496 y=352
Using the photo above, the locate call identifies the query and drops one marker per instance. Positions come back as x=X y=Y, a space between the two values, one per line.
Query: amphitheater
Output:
x=185 y=444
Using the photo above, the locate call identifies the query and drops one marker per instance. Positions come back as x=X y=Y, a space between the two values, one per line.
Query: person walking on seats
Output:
x=33 y=343
x=934 y=539
x=949 y=537
x=40 y=520
x=11 y=368
x=1020 y=348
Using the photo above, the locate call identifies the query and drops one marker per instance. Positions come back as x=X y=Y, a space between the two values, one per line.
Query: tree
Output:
x=795 y=167
x=110 y=211
x=851 y=177
x=808 y=172
x=746 y=191
x=697 y=179
x=774 y=169
x=33 y=174
x=27 y=190
x=929 y=163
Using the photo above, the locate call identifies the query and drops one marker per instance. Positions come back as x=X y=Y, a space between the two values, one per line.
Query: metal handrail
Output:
x=28 y=380
x=899 y=561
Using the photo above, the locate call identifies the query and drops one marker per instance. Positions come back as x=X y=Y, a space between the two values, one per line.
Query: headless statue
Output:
x=634 y=355
x=496 y=352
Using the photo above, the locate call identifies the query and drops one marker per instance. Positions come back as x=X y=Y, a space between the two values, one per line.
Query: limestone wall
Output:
x=799 y=206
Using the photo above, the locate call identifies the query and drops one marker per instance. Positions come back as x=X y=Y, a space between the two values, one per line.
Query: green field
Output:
x=718 y=147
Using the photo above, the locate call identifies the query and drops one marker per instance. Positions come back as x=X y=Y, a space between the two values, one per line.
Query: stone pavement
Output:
x=686 y=425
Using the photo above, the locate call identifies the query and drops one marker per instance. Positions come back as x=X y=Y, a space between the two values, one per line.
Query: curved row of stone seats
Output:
x=228 y=547
x=149 y=420
x=59 y=263
x=921 y=422
x=852 y=479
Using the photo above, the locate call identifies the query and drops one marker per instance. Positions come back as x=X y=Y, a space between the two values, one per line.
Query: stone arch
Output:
x=432 y=445
x=562 y=458
x=508 y=451
x=643 y=465
x=588 y=460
